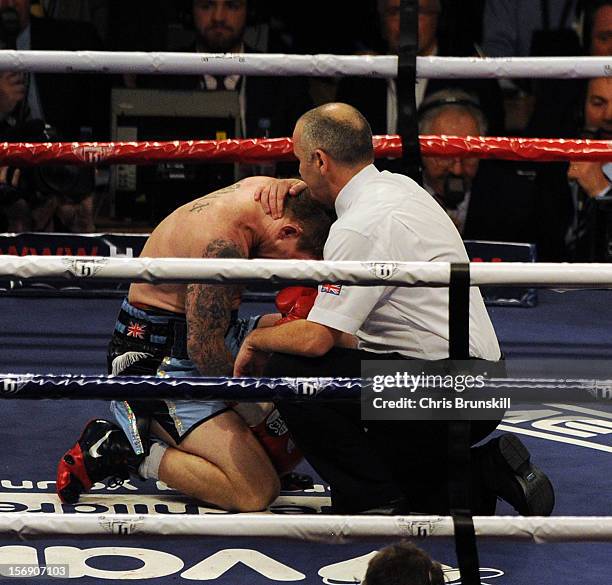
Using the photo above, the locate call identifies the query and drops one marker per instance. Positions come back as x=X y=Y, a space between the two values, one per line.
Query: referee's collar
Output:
x=350 y=192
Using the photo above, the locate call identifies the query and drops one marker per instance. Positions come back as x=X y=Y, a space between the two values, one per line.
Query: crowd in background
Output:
x=561 y=207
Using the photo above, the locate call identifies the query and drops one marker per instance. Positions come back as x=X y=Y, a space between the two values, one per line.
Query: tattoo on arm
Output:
x=208 y=309
x=203 y=202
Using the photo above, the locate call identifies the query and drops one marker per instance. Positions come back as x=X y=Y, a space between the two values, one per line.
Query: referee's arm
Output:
x=301 y=337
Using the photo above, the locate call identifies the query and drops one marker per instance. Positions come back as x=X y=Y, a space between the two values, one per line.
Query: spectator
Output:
x=569 y=218
x=44 y=107
x=598 y=27
x=83 y=99
x=403 y=564
x=376 y=98
x=492 y=200
x=522 y=28
x=565 y=206
x=556 y=100
x=268 y=106
x=510 y=26
x=591 y=182
x=449 y=180
x=271 y=104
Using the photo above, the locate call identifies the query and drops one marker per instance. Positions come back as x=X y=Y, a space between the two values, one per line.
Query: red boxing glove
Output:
x=274 y=437
x=295 y=302
x=271 y=431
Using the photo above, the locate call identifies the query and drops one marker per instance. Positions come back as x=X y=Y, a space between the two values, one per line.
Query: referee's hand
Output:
x=250 y=362
x=272 y=194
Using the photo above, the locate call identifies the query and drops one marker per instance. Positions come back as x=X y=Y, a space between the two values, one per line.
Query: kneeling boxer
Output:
x=201 y=448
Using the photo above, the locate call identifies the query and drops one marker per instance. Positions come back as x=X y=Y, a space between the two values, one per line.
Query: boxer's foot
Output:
x=101 y=452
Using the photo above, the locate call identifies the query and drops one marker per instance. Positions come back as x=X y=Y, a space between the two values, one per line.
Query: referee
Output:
x=383 y=466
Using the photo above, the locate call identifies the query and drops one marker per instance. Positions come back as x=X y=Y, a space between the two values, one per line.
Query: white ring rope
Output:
x=302 y=65
x=307 y=527
x=215 y=271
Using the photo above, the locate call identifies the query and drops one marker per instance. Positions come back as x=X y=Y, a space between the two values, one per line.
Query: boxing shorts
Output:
x=154 y=342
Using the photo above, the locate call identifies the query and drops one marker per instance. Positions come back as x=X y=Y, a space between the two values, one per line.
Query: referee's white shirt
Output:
x=387 y=216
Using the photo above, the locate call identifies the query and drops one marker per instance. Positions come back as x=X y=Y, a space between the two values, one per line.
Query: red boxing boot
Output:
x=102 y=451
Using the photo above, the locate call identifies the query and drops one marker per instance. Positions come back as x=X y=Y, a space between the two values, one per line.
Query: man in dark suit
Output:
x=376 y=98
x=270 y=105
x=495 y=200
x=68 y=102
x=590 y=182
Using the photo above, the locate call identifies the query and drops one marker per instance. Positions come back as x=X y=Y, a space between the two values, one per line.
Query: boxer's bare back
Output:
x=227 y=223
x=213 y=226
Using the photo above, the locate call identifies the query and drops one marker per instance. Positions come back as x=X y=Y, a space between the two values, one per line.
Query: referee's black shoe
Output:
x=102 y=452
x=296 y=482
x=509 y=473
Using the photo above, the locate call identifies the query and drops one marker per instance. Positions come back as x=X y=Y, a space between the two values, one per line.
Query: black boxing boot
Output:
x=508 y=472
x=102 y=451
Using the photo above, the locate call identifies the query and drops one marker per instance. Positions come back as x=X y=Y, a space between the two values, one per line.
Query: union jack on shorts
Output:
x=332 y=289
x=136 y=330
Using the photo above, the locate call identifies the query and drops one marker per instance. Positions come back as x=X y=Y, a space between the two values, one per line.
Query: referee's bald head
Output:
x=340 y=130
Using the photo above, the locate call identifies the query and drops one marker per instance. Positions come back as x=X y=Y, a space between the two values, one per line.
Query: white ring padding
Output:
x=302 y=65
x=224 y=271
x=307 y=527
x=513 y=67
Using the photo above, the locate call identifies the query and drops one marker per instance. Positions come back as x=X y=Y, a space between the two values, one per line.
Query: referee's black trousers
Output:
x=370 y=464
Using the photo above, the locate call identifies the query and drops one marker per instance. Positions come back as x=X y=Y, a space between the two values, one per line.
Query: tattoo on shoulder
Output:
x=199 y=205
x=203 y=202
x=224 y=248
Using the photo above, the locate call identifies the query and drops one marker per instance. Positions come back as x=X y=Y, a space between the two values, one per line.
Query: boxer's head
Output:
x=300 y=233
x=332 y=142
x=220 y=24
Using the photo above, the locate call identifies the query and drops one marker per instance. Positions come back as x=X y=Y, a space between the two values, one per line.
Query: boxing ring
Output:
x=145 y=532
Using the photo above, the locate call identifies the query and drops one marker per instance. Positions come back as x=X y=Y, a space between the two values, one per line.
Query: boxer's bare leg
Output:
x=220 y=462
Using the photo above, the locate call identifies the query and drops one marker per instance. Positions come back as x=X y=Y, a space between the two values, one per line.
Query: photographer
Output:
x=48 y=107
x=45 y=198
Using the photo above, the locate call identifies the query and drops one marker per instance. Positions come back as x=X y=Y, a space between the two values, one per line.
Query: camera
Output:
x=36 y=183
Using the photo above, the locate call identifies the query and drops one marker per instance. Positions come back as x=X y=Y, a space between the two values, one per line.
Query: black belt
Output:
x=167 y=336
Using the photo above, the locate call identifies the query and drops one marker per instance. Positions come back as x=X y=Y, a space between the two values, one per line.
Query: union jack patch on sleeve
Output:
x=332 y=289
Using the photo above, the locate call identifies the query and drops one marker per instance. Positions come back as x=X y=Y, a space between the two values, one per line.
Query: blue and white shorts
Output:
x=178 y=418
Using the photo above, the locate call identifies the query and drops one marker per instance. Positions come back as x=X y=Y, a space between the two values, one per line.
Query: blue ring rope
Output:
x=79 y=387
x=29 y=386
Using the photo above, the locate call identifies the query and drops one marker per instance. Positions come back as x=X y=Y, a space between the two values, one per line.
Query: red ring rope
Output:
x=278 y=149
